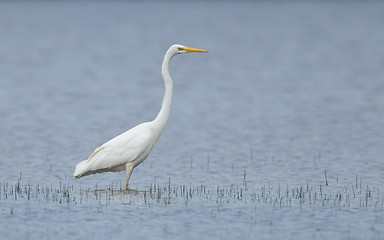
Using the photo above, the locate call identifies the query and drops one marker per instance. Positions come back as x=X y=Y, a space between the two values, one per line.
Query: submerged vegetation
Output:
x=307 y=195
x=259 y=208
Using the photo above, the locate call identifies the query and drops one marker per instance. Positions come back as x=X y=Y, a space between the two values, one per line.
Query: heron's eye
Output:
x=180 y=49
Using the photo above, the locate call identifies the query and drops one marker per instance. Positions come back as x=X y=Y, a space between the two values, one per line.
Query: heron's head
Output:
x=177 y=49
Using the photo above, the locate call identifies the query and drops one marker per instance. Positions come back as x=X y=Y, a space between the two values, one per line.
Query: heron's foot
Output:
x=131 y=191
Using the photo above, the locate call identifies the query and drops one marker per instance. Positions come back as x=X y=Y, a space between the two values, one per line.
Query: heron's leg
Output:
x=128 y=172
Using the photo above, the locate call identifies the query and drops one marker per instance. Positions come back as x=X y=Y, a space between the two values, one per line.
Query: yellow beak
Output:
x=194 y=50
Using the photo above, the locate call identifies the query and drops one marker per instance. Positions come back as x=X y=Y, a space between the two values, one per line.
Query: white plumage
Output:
x=129 y=149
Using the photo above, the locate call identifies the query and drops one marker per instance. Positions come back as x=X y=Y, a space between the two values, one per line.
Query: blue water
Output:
x=289 y=91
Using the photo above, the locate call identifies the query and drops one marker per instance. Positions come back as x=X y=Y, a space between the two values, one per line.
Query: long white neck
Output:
x=161 y=120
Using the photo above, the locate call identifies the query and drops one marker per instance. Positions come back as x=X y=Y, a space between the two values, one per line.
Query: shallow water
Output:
x=289 y=95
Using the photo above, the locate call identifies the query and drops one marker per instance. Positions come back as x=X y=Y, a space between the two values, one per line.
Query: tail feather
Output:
x=81 y=169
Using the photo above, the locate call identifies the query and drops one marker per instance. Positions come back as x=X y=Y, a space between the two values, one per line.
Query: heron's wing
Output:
x=127 y=147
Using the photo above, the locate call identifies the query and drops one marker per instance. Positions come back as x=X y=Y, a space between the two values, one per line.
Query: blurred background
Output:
x=288 y=90
x=283 y=81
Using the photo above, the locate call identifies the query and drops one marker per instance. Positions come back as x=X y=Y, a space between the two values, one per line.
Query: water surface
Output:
x=289 y=91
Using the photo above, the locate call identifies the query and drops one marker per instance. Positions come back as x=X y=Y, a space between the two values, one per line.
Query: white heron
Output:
x=129 y=149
